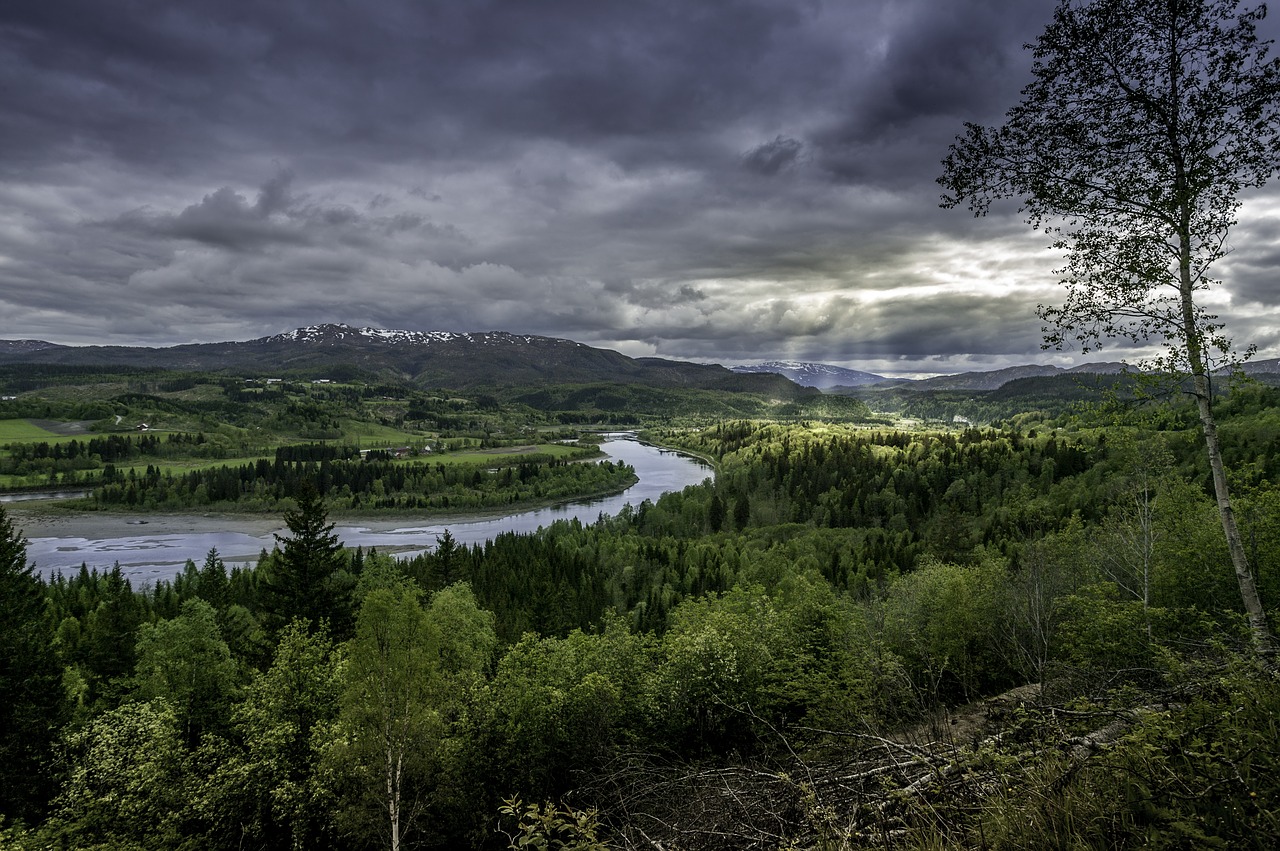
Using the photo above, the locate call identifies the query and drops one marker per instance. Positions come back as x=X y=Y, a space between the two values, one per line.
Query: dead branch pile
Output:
x=857 y=790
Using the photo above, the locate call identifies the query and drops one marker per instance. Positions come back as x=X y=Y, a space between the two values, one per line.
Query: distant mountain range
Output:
x=836 y=378
x=501 y=359
x=429 y=358
x=997 y=378
x=820 y=375
x=825 y=376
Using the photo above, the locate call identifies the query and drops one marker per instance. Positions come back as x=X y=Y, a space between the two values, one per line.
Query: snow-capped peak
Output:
x=336 y=332
x=333 y=332
x=821 y=375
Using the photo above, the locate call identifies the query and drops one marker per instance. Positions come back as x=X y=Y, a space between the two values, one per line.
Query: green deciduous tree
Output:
x=467 y=638
x=1048 y=570
x=722 y=663
x=1143 y=123
x=186 y=662
x=559 y=706
x=390 y=726
x=272 y=786
x=1128 y=540
x=127 y=785
x=944 y=621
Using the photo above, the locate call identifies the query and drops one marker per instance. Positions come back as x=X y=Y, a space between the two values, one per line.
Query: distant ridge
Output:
x=338 y=333
x=499 y=358
x=429 y=358
x=22 y=347
x=820 y=375
x=997 y=378
x=826 y=376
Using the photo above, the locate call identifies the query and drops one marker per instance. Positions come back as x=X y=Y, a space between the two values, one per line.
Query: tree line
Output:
x=372 y=483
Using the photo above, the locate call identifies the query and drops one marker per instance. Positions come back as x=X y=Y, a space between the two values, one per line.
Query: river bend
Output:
x=149 y=557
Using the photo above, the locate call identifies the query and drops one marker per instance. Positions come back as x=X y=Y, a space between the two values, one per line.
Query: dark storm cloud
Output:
x=225 y=219
x=727 y=180
x=942 y=64
x=413 y=80
x=772 y=157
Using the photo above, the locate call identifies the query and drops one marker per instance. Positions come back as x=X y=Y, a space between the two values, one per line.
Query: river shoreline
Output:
x=46 y=521
x=151 y=547
x=96 y=525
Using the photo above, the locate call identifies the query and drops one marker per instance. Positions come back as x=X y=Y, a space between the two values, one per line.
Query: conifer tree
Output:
x=30 y=681
x=307 y=579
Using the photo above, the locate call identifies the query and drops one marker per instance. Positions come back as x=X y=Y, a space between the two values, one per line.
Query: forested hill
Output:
x=435 y=358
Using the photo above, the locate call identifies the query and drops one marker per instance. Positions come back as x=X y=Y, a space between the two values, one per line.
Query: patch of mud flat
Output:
x=64 y=429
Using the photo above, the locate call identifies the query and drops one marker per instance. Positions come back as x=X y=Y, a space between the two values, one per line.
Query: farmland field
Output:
x=27 y=430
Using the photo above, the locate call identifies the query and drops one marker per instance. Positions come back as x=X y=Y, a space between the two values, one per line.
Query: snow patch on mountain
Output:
x=338 y=332
x=17 y=347
x=819 y=375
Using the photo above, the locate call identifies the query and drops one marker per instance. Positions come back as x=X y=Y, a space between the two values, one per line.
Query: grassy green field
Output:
x=27 y=431
x=487 y=456
x=374 y=435
x=509 y=453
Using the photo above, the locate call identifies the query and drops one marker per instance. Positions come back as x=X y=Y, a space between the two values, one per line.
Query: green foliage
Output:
x=1029 y=400
x=832 y=587
x=389 y=727
x=365 y=485
x=271 y=788
x=721 y=659
x=1049 y=571
x=552 y=828
x=467 y=638
x=558 y=706
x=185 y=662
x=943 y=621
x=98 y=616
x=127 y=786
x=636 y=405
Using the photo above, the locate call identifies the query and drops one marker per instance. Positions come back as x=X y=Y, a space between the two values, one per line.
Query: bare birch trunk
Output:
x=1263 y=641
x=393 y=796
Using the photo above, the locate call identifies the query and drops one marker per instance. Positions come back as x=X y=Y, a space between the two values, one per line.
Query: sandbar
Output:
x=95 y=525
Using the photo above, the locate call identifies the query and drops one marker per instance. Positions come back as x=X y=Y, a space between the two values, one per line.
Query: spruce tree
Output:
x=307 y=579
x=30 y=682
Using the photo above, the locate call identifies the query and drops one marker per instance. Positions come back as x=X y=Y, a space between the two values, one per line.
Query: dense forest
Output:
x=373 y=482
x=999 y=637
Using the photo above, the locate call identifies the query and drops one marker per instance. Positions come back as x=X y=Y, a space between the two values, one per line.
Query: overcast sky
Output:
x=714 y=180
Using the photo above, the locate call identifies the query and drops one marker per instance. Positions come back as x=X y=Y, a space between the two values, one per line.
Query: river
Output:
x=239 y=540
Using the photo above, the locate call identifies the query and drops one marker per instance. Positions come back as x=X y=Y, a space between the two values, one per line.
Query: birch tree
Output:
x=389 y=727
x=1144 y=122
